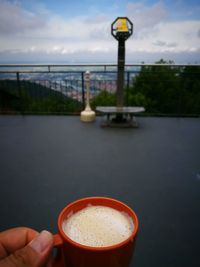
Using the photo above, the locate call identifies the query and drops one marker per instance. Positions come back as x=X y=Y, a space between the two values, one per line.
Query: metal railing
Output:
x=49 y=89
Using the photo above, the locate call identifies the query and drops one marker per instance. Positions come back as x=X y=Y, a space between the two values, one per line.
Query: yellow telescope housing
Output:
x=122 y=25
x=121 y=28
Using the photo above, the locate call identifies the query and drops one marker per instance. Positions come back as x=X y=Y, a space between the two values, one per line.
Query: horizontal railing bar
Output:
x=56 y=65
x=67 y=71
x=96 y=65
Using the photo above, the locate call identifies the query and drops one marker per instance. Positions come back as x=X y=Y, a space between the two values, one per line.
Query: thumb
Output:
x=35 y=254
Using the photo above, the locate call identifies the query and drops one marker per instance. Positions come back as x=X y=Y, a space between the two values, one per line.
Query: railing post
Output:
x=20 y=93
x=127 y=88
x=83 y=89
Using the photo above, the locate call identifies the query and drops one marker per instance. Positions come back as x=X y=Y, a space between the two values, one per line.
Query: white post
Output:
x=87 y=115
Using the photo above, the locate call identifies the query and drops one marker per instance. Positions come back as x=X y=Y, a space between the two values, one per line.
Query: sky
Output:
x=79 y=31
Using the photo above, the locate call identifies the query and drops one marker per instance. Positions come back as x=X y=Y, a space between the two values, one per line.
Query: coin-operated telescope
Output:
x=121 y=30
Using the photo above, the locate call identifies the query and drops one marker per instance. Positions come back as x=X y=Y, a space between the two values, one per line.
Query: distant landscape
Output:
x=161 y=89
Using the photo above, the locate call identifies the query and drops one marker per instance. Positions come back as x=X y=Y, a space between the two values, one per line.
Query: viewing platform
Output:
x=49 y=161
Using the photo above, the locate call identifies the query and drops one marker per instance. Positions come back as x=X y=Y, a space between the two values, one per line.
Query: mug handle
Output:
x=59 y=258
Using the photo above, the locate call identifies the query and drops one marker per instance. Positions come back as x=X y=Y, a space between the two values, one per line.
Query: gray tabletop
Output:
x=49 y=161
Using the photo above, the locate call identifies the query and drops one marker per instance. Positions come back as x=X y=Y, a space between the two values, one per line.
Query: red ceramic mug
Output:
x=73 y=254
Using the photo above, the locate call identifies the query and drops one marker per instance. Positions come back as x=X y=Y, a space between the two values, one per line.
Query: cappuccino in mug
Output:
x=98 y=226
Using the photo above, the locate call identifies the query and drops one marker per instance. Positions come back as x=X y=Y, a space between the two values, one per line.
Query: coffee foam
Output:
x=98 y=226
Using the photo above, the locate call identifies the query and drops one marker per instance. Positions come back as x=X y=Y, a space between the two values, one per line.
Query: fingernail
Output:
x=41 y=242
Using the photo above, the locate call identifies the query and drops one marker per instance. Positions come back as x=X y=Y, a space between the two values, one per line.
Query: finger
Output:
x=14 y=239
x=36 y=254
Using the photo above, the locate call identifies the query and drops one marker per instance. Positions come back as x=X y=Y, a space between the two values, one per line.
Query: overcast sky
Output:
x=74 y=31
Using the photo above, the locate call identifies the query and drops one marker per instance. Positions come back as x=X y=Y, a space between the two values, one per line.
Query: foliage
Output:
x=166 y=89
x=104 y=98
x=156 y=88
x=34 y=98
x=190 y=86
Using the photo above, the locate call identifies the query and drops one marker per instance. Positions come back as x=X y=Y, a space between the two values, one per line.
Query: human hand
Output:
x=24 y=247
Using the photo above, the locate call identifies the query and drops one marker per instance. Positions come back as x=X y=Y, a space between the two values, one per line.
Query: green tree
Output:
x=156 y=88
x=190 y=90
x=104 y=98
x=34 y=98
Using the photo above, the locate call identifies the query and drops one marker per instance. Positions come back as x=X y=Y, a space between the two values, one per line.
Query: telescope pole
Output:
x=120 y=73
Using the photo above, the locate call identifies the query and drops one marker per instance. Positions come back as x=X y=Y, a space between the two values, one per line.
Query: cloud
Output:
x=162 y=43
x=14 y=19
x=27 y=30
x=198 y=33
x=99 y=19
x=49 y=35
x=155 y=32
x=146 y=17
x=169 y=37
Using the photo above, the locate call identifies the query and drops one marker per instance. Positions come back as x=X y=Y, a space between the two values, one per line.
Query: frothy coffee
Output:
x=98 y=226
